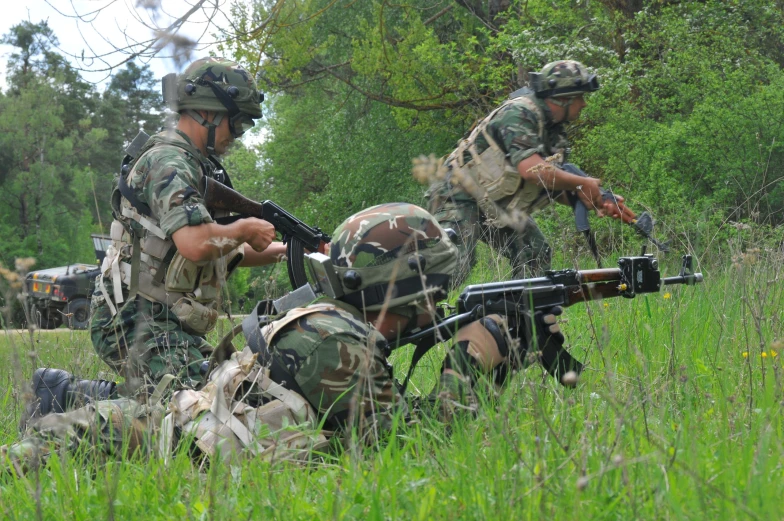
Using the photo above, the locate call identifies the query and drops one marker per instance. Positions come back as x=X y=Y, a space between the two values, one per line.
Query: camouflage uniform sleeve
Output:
x=169 y=179
x=516 y=129
x=341 y=372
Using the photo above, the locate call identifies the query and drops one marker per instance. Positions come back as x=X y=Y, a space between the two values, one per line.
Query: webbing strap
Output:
x=133 y=286
x=106 y=296
x=130 y=195
x=253 y=337
x=420 y=351
x=157 y=394
x=144 y=221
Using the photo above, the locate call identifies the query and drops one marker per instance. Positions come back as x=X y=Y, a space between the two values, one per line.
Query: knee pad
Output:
x=482 y=345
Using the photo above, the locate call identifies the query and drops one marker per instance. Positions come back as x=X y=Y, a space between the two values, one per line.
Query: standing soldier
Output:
x=497 y=176
x=161 y=279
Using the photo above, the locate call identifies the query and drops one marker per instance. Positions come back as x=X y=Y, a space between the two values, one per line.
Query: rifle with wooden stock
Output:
x=520 y=300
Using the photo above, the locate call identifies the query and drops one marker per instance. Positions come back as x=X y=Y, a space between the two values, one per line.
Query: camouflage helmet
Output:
x=220 y=85
x=563 y=78
x=397 y=242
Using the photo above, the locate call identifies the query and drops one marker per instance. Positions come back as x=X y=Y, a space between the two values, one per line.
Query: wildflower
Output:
x=667 y=295
x=745 y=354
x=764 y=354
x=774 y=353
x=606 y=305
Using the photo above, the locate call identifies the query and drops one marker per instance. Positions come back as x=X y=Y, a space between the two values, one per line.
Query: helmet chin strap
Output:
x=565 y=105
x=210 y=126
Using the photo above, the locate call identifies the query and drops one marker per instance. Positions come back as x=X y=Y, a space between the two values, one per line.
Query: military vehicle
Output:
x=57 y=296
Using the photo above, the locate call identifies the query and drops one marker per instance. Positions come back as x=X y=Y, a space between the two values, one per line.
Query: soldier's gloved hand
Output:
x=480 y=347
x=543 y=329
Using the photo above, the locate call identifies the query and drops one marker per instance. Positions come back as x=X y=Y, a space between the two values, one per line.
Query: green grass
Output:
x=670 y=421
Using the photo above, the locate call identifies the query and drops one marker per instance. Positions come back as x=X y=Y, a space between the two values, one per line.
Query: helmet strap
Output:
x=563 y=104
x=209 y=125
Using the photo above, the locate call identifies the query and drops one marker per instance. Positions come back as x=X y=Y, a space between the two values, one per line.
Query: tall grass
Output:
x=677 y=416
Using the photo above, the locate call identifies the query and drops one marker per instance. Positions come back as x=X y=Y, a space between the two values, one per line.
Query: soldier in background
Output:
x=157 y=296
x=500 y=171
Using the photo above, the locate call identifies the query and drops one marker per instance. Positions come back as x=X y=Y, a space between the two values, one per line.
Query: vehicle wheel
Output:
x=79 y=313
x=45 y=318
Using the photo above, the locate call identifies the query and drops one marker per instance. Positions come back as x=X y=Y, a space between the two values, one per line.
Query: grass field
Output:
x=678 y=416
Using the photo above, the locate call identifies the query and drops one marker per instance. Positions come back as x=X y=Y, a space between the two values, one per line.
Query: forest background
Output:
x=687 y=123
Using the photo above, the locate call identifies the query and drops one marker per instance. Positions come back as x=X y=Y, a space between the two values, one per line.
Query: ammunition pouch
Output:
x=195 y=317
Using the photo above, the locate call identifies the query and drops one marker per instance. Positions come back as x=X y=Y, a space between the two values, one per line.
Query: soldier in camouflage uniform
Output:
x=394 y=263
x=158 y=293
x=497 y=177
x=326 y=361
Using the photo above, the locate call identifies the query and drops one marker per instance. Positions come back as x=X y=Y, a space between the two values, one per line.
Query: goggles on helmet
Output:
x=548 y=90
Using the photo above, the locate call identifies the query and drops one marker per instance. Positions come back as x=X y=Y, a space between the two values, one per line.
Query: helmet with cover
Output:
x=563 y=78
x=393 y=254
x=222 y=86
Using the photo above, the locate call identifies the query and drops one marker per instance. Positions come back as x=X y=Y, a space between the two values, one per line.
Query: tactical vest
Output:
x=491 y=170
x=147 y=262
x=221 y=423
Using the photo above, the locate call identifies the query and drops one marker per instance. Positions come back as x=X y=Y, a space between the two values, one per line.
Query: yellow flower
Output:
x=774 y=353
x=667 y=295
x=764 y=354
x=745 y=354
x=606 y=305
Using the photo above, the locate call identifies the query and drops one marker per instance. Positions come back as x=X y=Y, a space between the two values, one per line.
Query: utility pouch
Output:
x=182 y=275
x=195 y=317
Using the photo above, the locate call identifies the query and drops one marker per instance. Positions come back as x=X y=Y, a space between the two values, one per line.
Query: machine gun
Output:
x=642 y=224
x=296 y=234
x=519 y=300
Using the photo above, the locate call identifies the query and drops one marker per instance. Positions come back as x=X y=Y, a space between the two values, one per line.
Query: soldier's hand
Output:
x=590 y=193
x=259 y=234
x=617 y=209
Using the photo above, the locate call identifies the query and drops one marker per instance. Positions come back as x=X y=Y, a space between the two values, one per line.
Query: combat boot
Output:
x=56 y=390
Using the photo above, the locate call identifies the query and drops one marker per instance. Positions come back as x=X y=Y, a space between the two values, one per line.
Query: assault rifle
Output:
x=642 y=224
x=296 y=234
x=519 y=300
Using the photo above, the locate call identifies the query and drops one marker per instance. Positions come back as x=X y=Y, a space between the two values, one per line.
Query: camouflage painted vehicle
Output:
x=57 y=296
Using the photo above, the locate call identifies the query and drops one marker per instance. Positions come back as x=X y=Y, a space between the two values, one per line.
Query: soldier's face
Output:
x=223 y=137
x=574 y=109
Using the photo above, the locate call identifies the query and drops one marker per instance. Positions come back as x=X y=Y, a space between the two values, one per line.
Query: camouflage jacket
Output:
x=339 y=362
x=160 y=198
x=516 y=129
x=166 y=179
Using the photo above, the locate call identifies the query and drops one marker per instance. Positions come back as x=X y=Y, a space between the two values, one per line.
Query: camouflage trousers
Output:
x=145 y=341
x=527 y=250
x=109 y=429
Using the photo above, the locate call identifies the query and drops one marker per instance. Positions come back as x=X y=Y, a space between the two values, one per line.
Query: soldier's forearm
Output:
x=535 y=169
x=208 y=241
x=276 y=252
